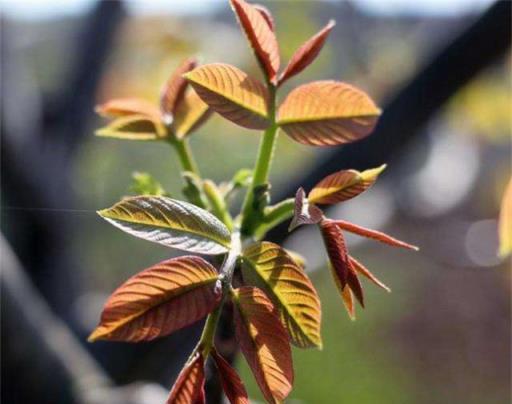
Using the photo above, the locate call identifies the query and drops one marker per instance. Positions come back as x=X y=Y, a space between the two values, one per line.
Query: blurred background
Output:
x=441 y=72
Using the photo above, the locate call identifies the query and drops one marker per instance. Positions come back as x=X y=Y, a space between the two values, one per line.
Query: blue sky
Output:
x=42 y=9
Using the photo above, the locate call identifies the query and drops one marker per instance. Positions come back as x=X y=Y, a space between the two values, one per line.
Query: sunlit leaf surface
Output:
x=343 y=185
x=132 y=127
x=190 y=113
x=306 y=54
x=159 y=300
x=174 y=90
x=505 y=224
x=269 y=267
x=170 y=222
x=232 y=93
x=264 y=342
x=327 y=113
x=258 y=27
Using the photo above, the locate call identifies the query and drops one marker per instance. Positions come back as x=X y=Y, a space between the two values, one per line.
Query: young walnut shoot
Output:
x=274 y=302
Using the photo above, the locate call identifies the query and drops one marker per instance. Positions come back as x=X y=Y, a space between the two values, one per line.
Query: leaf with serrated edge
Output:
x=304 y=212
x=505 y=222
x=174 y=89
x=189 y=387
x=128 y=106
x=231 y=93
x=269 y=267
x=160 y=300
x=231 y=383
x=264 y=342
x=307 y=53
x=327 y=113
x=343 y=185
x=170 y=222
x=261 y=37
x=373 y=234
x=132 y=127
x=191 y=113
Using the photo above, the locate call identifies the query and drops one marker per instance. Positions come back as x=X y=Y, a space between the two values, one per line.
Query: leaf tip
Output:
x=95 y=335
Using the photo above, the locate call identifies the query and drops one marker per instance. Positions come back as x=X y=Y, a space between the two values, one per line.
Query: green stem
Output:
x=262 y=167
x=274 y=215
x=187 y=161
x=217 y=203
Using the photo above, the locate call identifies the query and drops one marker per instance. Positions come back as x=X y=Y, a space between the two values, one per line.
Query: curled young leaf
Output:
x=232 y=93
x=336 y=250
x=268 y=266
x=343 y=185
x=505 y=222
x=146 y=184
x=304 y=213
x=190 y=113
x=160 y=300
x=189 y=387
x=174 y=90
x=231 y=383
x=258 y=27
x=128 y=106
x=133 y=127
x=263 y=342
x=327 y=113
x=170 y=222
x=373 y=234
x=306 y=54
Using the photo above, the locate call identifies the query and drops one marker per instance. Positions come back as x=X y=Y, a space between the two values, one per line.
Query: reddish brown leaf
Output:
x=266 y=15
x=231 y=383
x=174 y=90
x=365 y=272
x=373 y=234
x=260 y=35
x=232 y=93
x=128 y=106
x=345 y=293
x=189 y=387
x=327 y=113
x=355 y=285
x=306 y=54
x=263 y=342
x=343 y=185
x=336 y=250
x=159 y=300
x=304 y=213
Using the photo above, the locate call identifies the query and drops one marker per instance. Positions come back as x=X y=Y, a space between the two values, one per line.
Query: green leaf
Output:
x=270 y=268
x=133 y=127
x=170 y=222
x=145 y=184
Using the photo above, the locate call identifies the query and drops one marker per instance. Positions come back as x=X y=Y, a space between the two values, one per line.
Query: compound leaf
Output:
x=159 y=300
x=269 y=267
x=170 y=222
x=343 y=185
x=263 y=342
x=232 y=93
x=327 y=113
